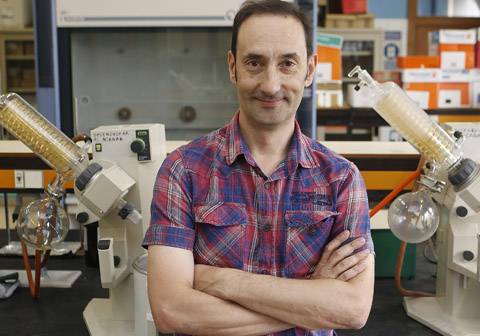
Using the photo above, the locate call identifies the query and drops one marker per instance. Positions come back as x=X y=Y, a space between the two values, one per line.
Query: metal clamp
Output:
x=431 y=183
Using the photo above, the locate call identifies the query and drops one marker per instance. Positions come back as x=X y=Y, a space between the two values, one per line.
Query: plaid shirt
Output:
x=211 y=197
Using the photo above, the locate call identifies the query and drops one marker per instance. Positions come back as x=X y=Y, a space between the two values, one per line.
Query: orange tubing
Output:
x=403 y=245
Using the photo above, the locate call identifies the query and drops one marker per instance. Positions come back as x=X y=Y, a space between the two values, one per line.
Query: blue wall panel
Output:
x=388 y=8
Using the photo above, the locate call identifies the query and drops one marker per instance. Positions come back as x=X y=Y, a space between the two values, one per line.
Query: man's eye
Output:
x=288 y=64
x=253 y=64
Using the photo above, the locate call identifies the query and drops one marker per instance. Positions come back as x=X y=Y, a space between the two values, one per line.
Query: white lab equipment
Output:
x=115 y=189
x=452 y=180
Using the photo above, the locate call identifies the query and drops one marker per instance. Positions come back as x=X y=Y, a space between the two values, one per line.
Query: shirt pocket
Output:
x=307 y=232
x=220 y=234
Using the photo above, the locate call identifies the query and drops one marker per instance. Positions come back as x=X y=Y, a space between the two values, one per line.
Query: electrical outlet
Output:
x=19 y=179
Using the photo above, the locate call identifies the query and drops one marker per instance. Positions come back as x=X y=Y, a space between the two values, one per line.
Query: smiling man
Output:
x=257 y=229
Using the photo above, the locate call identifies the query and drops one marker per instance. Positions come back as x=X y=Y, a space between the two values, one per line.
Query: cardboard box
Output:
x=15 y=13
x=356 y=98
x=329 y=94
x=354 y=6
x=457 y=56
x=457 y=48
x=421 y=75
x=424 y=94
x=349 y=21
x=420 y=61
x=388 y=76
x=457 y=36
x=454 y=88
x=329 y=57
x=422 y=86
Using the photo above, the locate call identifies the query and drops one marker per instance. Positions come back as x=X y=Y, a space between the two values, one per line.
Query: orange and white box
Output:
x=418 y=61
x=422 y=86
x=329 y=57
x=457 y=48
x=454 y=89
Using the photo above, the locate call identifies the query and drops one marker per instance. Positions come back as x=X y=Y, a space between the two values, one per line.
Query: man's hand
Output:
x=337 y=261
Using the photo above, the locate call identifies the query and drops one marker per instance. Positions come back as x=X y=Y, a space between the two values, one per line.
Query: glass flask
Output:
x=44 y=223
x=413 y=217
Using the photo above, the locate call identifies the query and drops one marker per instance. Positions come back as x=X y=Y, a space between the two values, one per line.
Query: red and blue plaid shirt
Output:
x=211 y=197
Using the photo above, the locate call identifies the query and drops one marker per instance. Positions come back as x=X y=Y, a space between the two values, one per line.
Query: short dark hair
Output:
x=273 y=7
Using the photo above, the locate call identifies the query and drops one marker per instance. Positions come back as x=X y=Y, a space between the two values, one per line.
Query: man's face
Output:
x=270 y=69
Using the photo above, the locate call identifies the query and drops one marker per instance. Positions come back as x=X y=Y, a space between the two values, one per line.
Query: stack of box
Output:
x=348 y=14
x=443 y=80
x=329 y=70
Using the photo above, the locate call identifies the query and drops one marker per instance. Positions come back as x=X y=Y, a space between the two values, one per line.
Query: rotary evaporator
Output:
x=446 y=202
x=114 y=189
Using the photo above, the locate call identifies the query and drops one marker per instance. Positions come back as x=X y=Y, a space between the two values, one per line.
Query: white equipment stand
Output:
x=455 y=311
x=126 y=311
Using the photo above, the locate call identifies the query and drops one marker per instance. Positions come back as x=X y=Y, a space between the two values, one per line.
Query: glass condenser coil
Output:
x=44 y=139
x=405 y=116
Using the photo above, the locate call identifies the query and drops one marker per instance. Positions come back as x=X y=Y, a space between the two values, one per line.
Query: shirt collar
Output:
x=300 y=151
x=236 y=143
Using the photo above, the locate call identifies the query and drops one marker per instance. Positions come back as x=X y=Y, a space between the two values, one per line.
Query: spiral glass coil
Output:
x=37 y=133
x=408 y=119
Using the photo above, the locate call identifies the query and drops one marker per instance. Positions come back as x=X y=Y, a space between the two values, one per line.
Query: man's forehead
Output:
x=264 y=34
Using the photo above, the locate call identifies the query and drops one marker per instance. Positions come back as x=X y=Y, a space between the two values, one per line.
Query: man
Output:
x=250 y=223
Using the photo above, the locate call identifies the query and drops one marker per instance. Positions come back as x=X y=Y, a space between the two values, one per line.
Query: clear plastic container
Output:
x=38 y=134
x=403 y=114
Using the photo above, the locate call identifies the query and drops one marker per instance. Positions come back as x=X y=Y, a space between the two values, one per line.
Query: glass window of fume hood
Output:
x=175 y=76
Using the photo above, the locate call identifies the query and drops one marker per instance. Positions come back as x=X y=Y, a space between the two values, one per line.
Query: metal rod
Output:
x=7 y=226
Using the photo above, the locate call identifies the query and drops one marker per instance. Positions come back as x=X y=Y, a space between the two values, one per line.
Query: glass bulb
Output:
x=43 y=223
x=413 y=217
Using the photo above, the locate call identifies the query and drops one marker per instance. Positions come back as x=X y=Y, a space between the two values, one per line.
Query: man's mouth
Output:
x=269 y=102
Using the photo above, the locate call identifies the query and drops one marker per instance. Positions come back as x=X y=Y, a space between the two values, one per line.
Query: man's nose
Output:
x=270 y=84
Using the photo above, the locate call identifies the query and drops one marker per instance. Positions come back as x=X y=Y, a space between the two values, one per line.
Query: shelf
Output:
x=356 y=53
x=20 y=58
x=5 y=30
x=21 y=90
x=365 y=117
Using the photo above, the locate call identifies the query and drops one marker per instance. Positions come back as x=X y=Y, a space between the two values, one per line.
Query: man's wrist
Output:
x=227 y=283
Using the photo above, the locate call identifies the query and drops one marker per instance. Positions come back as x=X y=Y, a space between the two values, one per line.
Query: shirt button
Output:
x=267 y=185
x=266 y=227
x=312 y=231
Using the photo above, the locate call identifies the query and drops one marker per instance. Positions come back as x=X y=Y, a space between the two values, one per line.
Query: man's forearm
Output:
x=311 y=304
x=197 y=313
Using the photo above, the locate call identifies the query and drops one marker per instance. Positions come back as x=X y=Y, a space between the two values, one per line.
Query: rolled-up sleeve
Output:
x=171 y=221
x=352 y=205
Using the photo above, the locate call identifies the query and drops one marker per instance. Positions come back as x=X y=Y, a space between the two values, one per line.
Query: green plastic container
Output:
x=386 y=250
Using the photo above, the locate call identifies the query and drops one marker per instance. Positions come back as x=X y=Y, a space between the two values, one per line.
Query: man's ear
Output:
x=311 y=65
x=232 y=69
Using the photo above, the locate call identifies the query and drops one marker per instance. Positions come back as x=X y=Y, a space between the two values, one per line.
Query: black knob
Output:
x=187 y=114
x=461 y=211
x=124 y=114
x=137 y=146
x=468 y=255
x=457 y=134
x=82 y=217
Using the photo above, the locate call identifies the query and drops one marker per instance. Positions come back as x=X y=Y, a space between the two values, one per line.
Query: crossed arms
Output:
x=206 y=300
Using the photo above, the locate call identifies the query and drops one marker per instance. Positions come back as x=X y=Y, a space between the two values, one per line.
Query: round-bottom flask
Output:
x=413 y=217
